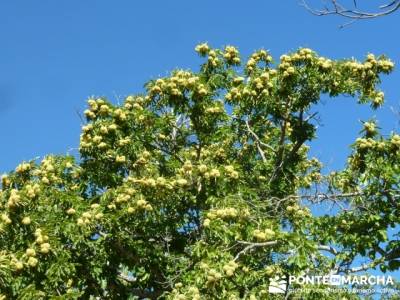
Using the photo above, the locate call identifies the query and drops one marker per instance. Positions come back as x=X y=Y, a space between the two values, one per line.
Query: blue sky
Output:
x=55 y=54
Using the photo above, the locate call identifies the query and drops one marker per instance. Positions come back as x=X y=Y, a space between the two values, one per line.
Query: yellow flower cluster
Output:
x=232 y=55
x=5 y=180
x=119 y=114
x=259 y=56
x=286 y=67
x=202 y=168
x=174 y=85
x=41 y=239
x=45 y=248
x=125 y=196
x=297 y=211
x=48 y=171
x=202 y=90
x=26 y=221
x=395 y=140
x=14 y=199
x=97 y=107
x=32 y=260
x=104 y=110
x=88 y=216
x=202 y=49
x=354 y=66
x=383 y=64
x=32 y=190
x=223 y=213
x=213 y=276
x=230 y=268
x=230 y=171
x=363 y=143
x=132 y=102
x=120 y=159
x=89 y=138
x=214 y=173
x=206 y=222
x=303 y=54
x=306 y=53
x=128 y=193
x=21 y=168
x=187 y=167
x=180 y=297
x=386 y=65
x=234 y=93
x=215 y=109
x=264 y=235
x=260 y=84
x=124 y=141
x=182 y=182
x=162 y=182
x=18 y=265
x=144 y=205
x=238 y=80
x=6 y=219
x=213 y=59
x=324 y=63
x=270 y=270
x=71 y=211
x=131 y=209
x=369 y=67
x=87 y=128
x=379 y=99
x=192 y=293
x=147 y=182
x=30 y=252
x=370 y=127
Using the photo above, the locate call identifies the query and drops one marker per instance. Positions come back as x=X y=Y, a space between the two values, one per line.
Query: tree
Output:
x=353 y=11
x=202 y=188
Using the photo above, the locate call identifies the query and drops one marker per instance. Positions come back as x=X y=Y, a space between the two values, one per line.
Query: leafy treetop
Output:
x=200 y=188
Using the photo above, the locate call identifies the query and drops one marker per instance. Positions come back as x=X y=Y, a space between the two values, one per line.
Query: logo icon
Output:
x=277 y=286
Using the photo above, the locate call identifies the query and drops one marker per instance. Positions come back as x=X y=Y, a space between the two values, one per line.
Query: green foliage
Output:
x=196 y=189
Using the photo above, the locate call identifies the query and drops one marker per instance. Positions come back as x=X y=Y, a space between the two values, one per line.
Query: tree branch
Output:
x=353 y=13
x=251 y=246
x=258 y=142
x=328 y=248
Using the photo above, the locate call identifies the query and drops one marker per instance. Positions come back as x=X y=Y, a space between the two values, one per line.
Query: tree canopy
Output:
x=203 y=187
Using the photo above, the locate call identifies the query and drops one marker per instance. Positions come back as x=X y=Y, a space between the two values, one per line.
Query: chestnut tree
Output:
x=203 y=188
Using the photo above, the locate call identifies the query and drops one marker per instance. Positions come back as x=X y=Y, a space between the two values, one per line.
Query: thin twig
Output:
x=353 y=13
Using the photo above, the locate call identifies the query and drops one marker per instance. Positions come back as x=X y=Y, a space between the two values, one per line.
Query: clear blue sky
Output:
x=55 y=54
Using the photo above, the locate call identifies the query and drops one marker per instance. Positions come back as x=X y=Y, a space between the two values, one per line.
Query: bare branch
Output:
x=258 y=142
x=386 y=256
x=336 y=8
x=251 y=246
x=328 y=248
x=363 y=267
x=127 y=278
